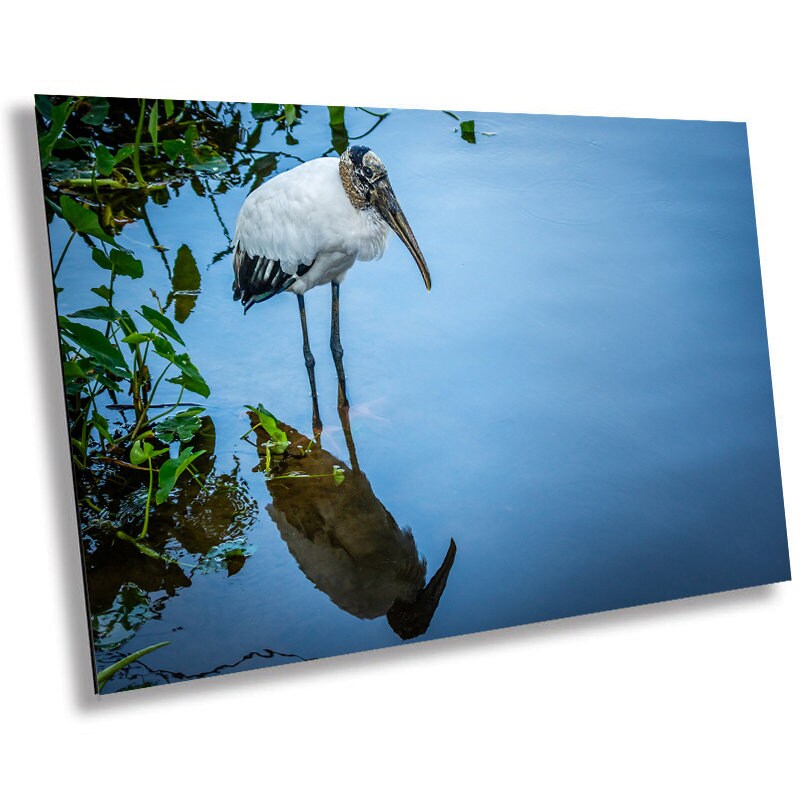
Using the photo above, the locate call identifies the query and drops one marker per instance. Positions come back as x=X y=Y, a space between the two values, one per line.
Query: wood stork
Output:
x=347 y=543
x=307 y=227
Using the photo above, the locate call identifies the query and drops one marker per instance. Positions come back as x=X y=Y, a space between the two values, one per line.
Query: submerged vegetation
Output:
x=153 y=508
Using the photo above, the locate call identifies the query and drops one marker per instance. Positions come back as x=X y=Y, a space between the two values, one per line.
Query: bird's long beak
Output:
x=390 y=210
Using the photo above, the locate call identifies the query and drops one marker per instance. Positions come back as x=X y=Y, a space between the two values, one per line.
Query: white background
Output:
x=694 y=698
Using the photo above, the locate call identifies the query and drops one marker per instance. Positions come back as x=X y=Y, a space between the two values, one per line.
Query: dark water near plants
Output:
x=582 y=403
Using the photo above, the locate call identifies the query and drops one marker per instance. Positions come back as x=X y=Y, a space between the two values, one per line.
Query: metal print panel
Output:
x=340 y=378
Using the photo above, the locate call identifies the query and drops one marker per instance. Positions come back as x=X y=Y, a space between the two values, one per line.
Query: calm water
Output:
x=582 y=403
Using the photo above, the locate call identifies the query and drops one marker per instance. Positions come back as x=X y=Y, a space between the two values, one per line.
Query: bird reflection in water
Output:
x=344 y=540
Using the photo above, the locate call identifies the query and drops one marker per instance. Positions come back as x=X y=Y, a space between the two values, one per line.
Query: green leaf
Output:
x=143 y=450
x=182 y=425
x=83 y=219
x=152 y=125
x=468 y=130
x=72 y=369
x=172 y=469
x=264 y=110
x=58 y=118
x=139 y=338
x=290 y=115
x=161 y=323
x=124 y=152
x=211 y=164
x=104 y=675
x=338 y=474
x=270 y=425
x=139 y=452
x=104 y=159
x=191 y=136
x=125 y=264
x=169 y=108
x=100 y=258
x=107 y=313
x=145 y=550
x=101 y=425
x=95 y=344
x=98 y=111
x=103 y=291
x=164 y=348
x=126 y=323
x=44 y=105
x=190 y=378
x=174 y=148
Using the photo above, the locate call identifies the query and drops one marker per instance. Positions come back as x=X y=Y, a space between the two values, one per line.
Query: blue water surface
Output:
x=582 y=403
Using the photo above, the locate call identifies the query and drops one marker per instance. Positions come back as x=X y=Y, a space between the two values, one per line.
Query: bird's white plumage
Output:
x=304 y=217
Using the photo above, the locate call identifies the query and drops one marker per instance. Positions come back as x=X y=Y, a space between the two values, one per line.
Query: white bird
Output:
x=307 y=227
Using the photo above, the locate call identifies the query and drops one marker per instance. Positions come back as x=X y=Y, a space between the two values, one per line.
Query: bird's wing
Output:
x=257 y=278
x=284 y=225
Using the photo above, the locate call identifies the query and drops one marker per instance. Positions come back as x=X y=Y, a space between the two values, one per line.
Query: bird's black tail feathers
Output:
x=257 y=278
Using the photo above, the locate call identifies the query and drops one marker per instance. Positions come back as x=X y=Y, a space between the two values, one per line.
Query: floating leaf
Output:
x=174 y=148
x=182 y=425
x=338 y=474
x=468 y=130
x=212 y=164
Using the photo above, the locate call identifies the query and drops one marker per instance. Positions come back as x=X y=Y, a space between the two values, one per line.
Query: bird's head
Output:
x=366 y=183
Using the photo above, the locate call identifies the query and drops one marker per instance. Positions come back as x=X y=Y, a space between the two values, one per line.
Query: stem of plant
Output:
x=137 y=169
x=149 y=496
x=63 y=253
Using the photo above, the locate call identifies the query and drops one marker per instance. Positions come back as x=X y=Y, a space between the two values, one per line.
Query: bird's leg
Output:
x=336 y=345
x=316 y=422
x=344 y=417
